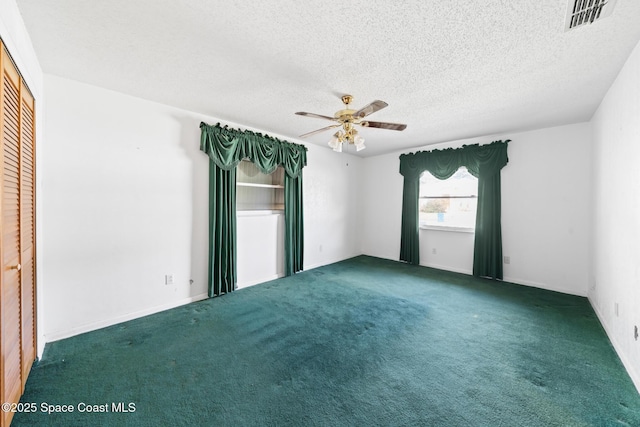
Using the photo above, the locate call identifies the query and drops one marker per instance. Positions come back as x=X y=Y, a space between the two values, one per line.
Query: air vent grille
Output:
x=581 y=12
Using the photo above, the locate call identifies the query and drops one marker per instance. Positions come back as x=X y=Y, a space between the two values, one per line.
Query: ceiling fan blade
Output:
x=384 y=125
x=318 y=131
x=318 y=116
x=371 y=108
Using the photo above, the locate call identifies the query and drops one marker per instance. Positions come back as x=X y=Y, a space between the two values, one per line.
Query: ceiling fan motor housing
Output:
x=345 y=115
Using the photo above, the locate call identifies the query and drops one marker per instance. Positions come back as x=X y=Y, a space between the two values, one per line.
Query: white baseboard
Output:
x=281 y=275
x=58 y=335
x=543 y=286
x=311 y=267
x=328 y=262
x=635 y=376
x=447 y=268
x=257 y=282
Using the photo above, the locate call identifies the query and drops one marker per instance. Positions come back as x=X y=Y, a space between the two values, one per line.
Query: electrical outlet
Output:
x=507 y=260
x=168 y=279
x=434 y=251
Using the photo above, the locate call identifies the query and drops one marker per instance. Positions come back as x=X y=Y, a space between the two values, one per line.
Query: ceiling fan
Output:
x=346 y=119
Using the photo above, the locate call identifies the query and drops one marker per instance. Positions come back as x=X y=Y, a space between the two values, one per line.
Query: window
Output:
x=449 y=203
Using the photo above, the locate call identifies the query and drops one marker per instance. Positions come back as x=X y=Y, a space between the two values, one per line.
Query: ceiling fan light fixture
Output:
x=334 y=142
x=358 y=141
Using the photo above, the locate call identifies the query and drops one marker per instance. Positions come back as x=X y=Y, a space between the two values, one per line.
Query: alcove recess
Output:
x=256 y=191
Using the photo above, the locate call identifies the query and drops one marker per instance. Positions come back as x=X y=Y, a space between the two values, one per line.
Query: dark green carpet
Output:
x=359 y=343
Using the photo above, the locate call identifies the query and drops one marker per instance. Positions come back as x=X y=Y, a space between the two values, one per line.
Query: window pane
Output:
x=451 y=202
x=461 y=183
x=449 y=212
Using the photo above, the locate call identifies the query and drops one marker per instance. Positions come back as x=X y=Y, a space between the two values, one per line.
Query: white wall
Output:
x=16 y=39
x=331 y=206
x=545 y=205
x=260 y=247
x=615 y=270
x=546 y=198
x=126 y=195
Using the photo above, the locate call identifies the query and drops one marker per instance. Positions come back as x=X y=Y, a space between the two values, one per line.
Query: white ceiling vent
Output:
x=581 y=12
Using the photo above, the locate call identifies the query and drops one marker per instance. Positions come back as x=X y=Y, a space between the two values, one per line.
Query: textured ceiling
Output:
x=449 y=70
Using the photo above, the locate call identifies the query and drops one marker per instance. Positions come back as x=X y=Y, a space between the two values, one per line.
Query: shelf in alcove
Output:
x=251 y=184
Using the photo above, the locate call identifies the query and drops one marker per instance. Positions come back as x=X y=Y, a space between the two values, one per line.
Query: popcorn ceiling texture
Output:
x=449 y=70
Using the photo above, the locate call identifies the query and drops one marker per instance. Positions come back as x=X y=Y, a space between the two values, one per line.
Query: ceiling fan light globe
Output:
x=360 y=145
x=338 y=148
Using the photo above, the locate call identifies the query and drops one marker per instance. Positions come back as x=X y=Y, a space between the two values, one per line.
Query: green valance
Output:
x=482 y=161
x=478 y=159
x=227 y=147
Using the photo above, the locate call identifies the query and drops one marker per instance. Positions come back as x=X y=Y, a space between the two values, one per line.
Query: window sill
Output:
x=448 y=228
x=259 y=212
x=258 y=185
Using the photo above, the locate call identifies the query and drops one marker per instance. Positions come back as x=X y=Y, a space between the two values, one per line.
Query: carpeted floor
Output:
x=362 y=342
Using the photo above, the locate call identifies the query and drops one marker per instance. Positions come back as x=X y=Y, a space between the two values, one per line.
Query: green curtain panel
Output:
x=487 y=248
x=485 y=163
x=226 y=148
x=222 y=230
x=293 y=226
x=409 y=244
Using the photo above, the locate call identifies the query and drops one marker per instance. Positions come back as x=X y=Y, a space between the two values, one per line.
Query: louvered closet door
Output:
x=17 y=293
x=27 y=231
x=11 y=301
